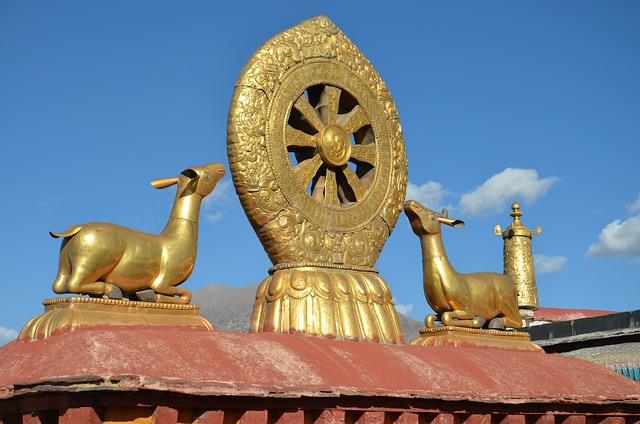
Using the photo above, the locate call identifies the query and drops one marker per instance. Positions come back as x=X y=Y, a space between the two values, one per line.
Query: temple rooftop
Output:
x=266 y=365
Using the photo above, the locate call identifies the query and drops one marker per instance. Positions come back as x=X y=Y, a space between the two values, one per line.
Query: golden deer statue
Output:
x=102 y=259
x=462 y=300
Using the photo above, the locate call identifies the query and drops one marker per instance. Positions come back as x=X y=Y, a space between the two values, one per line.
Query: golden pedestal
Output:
x=471 y=337
x=65 y=314
x=340 y=302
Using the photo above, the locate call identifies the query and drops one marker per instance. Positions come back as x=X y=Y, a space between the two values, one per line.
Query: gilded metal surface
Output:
x=462 y=300
x=318 y=160
x=66 y=314
x=102 y=259
x=315 y=148
x=332 y=303
x=518 y=261
x=471 y=337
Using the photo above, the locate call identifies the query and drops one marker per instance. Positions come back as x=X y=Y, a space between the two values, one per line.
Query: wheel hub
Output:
x=334 y=145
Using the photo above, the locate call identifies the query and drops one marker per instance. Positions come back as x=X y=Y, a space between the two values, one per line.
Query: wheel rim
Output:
x=329 y=146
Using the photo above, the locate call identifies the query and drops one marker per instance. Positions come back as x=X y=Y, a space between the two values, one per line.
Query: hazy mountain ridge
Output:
x=229 y=309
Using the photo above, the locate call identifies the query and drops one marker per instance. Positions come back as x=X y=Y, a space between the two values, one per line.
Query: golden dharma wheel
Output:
x=315 y=149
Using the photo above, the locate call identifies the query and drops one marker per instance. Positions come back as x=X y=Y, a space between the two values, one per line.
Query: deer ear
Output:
x=164 y=182
x=455 y=223
x=458 y=224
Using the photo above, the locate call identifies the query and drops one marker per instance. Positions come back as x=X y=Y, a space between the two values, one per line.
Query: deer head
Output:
x=425 y=221
x=197 y=179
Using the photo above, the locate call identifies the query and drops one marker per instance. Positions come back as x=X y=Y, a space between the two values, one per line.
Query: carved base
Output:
x=65 y=314
x=470 y=337
x=334 y=303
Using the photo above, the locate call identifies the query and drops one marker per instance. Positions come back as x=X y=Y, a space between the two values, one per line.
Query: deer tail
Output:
x=68 y=232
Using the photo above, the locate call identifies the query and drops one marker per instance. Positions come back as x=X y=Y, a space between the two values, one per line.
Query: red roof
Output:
x=559 y=314
x=278 y=365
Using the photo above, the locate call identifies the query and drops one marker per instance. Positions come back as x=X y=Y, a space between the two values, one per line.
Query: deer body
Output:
x=103 y=259
x=465 y=300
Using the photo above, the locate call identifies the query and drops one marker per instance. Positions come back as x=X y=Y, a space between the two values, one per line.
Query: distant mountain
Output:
x=410 y=327
x=229 y=309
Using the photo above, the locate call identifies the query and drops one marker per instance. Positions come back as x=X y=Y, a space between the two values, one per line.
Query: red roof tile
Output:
x=560 y=314
x=278 y=365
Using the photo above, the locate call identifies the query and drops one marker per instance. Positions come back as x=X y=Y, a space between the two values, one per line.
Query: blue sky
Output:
x=537 y=102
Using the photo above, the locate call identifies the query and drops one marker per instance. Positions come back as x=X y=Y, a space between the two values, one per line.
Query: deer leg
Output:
x=459 y=318
x=167 y=295
x=429 y=321
x=501 y=323
x=83 y=280
x=64 y=270
x=60 y=284
x=76 y=284
x=510 y=317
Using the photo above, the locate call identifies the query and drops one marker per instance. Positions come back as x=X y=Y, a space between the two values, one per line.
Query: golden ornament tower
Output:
x=518 y=261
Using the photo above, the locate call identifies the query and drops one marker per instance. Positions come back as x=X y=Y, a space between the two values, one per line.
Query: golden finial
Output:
x=516 y=228
x=515 y=213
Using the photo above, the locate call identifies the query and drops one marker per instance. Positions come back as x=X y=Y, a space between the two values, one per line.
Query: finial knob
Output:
x=516 y=213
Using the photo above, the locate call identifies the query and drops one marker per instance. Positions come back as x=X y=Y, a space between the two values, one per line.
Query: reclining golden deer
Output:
x=463 y=300
x=102 y=259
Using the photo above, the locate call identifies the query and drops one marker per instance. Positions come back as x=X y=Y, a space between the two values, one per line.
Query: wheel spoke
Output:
x=307 y=169
x=367 y=179
x=364 y=153
x=331 y=189
x=297 y=138
x=328 y=104
x=354 y=182
x=316 y=166
x=353 y=120
x=308 y=112
x=317 y=191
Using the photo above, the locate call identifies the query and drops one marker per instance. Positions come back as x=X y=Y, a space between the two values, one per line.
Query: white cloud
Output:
x=7 y=335
x=49 y=204
x=430 y=194
x=220 y=194
x=618 y=238
x=635 y=206
x=404 y=309
x=213 y=217
x=495 y=194
x=544 y=264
